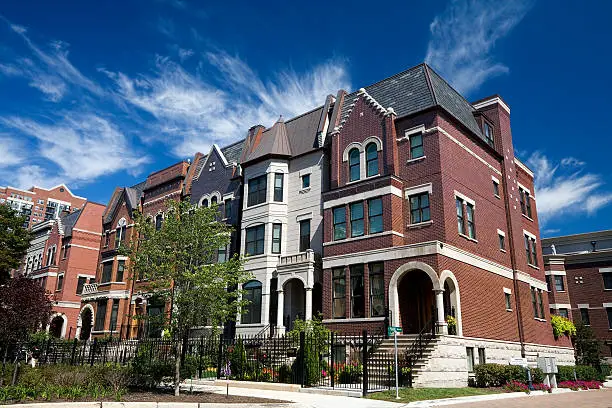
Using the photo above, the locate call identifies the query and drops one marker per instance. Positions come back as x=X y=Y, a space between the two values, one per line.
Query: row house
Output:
x=62 y=257
x=39 y=204
x=579 y=276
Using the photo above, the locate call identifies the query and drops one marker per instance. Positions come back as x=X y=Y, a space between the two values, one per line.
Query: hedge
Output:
x=583 y=373
x=497 y=375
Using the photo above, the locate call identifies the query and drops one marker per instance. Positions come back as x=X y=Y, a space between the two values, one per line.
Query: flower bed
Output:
x=517 y=386
x=580 y=385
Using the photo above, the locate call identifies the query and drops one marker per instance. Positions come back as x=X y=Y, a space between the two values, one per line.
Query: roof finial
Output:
x=280 y=118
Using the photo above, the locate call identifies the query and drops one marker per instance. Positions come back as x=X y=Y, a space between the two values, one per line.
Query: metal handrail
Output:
x=416 y=349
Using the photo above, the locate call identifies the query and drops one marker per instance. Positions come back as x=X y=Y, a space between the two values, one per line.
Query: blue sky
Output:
x=99 y=94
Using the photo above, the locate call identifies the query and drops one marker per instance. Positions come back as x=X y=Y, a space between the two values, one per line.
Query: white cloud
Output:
x=11 y=152
x=572 y=162
x=184 y=54
x=559 y=192
x=464 y=35
x=84 y=146
x=195 y=111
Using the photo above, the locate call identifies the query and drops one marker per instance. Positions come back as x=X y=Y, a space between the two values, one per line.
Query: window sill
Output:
x=304 y=190
x=533 y=266
x=502 y=250
x=468 y=238
x=529 y=218
x=420 y=224
x=497 y=196
x=508 y=310
x=415 y=160
x=354 y=319
x=540 y=320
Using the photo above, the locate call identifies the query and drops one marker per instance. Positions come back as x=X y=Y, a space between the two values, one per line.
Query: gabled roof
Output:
x=132 y=198
x=414 y=90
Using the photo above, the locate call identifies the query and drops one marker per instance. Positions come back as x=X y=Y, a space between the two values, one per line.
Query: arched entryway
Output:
x=294 y=302
x=85 y=323
x=56 y=327
x=452 y=301
x=317 y=299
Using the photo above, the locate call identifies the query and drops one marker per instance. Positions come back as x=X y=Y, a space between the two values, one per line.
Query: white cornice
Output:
x=523 y=167
x=492 y=101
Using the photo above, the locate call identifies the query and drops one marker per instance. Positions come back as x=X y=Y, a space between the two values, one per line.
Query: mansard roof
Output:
x=414 y=90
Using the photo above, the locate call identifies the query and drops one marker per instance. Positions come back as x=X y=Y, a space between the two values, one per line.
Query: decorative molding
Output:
x=492 y=101
x=366 y=236
x=523 y=167
x=530 y=235
x=558 y=273
x=508 y=291
x=67 y=304
x=84 y=247
x=558 y=306
x=87 y=231
x=410 y=191
x=363 y=196
x=465 y=198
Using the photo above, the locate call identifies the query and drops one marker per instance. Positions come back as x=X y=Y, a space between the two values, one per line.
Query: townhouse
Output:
x=579 y=277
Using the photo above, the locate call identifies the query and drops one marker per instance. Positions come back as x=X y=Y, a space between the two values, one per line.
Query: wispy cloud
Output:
x=565 y=186
x=11 y=151
x=464 y=36
x=196 y=111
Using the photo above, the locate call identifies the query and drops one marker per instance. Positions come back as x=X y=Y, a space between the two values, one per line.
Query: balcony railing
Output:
x=302 y=257
x=89 y=288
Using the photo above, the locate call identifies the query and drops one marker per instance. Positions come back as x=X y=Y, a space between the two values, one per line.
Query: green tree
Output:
x=587 y=347
x=179 y=262
x=14 y=241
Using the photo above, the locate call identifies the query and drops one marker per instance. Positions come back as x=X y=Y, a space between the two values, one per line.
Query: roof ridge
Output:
x=392 y=76
x=431 y=88
x=300 y=115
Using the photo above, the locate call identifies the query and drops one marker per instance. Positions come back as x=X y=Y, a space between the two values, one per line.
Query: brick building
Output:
x=63 y=258
x=579 y=275
x=39 y=204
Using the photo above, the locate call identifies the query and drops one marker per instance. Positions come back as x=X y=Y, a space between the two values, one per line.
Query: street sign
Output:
x=393 y=329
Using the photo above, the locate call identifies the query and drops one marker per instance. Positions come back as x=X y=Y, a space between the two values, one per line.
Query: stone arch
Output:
x=397 y=275
x=58 y=332
x=373 y=139
x=353 y=145
x=81 y=323
x=454 y=296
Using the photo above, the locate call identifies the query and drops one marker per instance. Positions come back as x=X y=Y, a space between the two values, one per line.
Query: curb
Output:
x=113 y=404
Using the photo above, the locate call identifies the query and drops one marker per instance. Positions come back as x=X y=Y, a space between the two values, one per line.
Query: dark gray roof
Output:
x=68 y=222
x=415 y=90
x=133 y=195
x=232 y=152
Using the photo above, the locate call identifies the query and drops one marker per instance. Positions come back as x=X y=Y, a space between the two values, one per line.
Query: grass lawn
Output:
x=419 y=394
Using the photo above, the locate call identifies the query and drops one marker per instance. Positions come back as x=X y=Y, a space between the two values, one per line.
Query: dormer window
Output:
x=488 y=132
x=371 y=160
x=354 y=165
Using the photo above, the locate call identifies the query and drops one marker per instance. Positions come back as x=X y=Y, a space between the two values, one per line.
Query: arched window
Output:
x=205 y=202
x=120 y=232
x=158 y=221
x=213 y=200
x=371 y=160
x=251 y=313
x=354 y=165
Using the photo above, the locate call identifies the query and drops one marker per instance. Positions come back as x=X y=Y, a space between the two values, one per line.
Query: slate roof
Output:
x=232 y=152
x=273 y=141
x=69 y=221
x=415 y=90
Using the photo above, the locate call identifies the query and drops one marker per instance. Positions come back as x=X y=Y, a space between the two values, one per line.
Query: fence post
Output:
x=92 y=353
x=74 y=344
x=410 y=371
x=333 y=360
x=386 y=323
x=200 y=360
x=365 y=362
x=302 y=357
x=219 y=355
x=47 y=351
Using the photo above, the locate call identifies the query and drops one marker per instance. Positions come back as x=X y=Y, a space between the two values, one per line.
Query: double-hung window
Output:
x=537 y=303
x=416 y=146
x=488 y=132
x=158 y=222
x=120 y=270
x=60 y=282
x=255 y=240
x=278 y=187
x=357 y=291
x=304 y=235
x=357 y=219
x=470 y=220
x=354 y=165
x=495 y=188
x=460 y=216
x=531 y=251
x=114 y=315
x=251 y=313
x=100 y=315
x=306 y=181
x=257 y=190
x=559 y=284
x=80 y=283
x=584 y=316
x=107 y=272
x=419 y=208
x=607 y=280
x=525 y=202
x=276 y=238
x=371 y=160
x=338 y=293
x=377 y=289
x=375 y=218
x=339 y=214
x=222 y=254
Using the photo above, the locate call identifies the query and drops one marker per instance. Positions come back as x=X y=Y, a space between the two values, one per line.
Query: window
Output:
x=525 y=202
x=482 y=359
x=531 y=251
x=276 y=238
x=100 y=315
x=227 y=208
x=419 y=208
x=488 y=132
x=470 y=220
x=205 y=202
x=460 y=216
x=120 y=236
x=306 y=181
x=120 y=269
x=470 y=358
x=609 y=312
x=213 y=201
x=255 y=240
x=508 y=298
x=502 y=242
x=257 y=190
x=375 y=218
x=64 y=251
x=51 y=256
x=564 y=313
x=548 y=286
x=107 y=271
x=377 y=289
x=158 y=221
x=221 y=254
x=541 y=304
x=537 y=303
x=495 y=188
x=60 y=282
x=356 y=219
x=354 y=165
x=371 y=160
x=357 y=289
x=114 y=314
x=607 y=280
x=304 y=235
x=338 y=293
x=80 y=283
x=339 y=223
x=278 y=187
x=416 y=146
x=559 y=285
x=252 y=311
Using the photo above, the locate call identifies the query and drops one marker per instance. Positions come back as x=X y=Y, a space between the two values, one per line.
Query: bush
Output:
x=497 y=375
x=349 y=373
x=516 y=386
x=312 y=368
x=562 y=326
x=583 y=373
x=150 y=371
x=537 y=375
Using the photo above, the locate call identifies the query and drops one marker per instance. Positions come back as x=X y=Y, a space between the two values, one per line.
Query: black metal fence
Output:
x=331 y=361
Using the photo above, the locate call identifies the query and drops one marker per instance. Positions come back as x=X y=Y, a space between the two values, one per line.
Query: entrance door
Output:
x=295 y=302
x=416 y=301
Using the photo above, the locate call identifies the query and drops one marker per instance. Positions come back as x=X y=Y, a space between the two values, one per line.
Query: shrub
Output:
x=562 y=326
x=349 y=373
x=537 y=375
x=150 y=371
x=583 y=373
x=451 y=324
x=497 y=375
x=312 y=369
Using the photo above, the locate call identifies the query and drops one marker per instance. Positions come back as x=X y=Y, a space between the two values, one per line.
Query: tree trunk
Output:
x=15 y=373
x=177 y=367
x=4 y=365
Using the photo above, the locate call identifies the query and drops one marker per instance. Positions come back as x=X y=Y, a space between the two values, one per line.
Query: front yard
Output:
x=420 y=394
